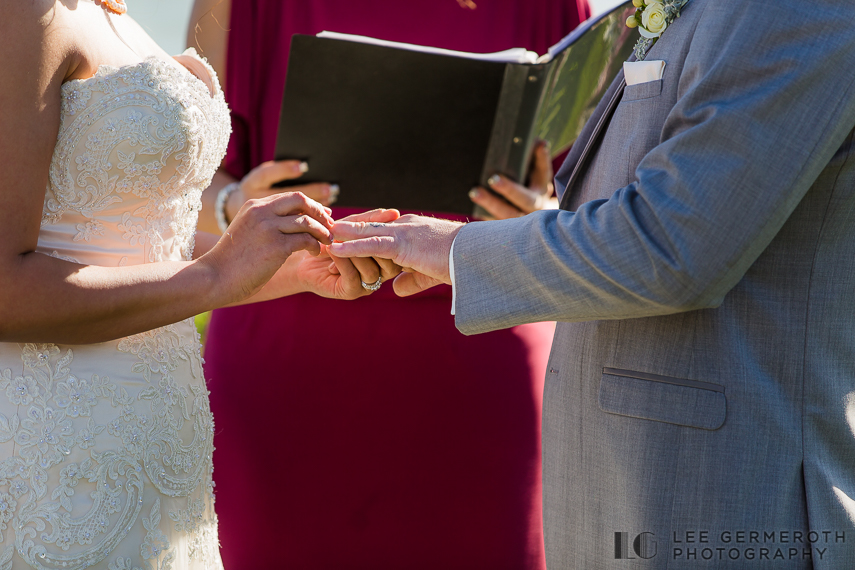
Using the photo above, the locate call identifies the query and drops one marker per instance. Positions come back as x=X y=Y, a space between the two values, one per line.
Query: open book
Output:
x=415 y=127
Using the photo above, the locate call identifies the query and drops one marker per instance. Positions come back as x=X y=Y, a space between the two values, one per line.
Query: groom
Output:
x=699 y=407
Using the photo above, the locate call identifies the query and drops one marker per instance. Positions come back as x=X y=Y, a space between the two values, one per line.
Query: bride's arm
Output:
x=43 y=299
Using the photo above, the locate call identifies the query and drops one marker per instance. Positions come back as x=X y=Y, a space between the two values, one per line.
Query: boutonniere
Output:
x=652 y=17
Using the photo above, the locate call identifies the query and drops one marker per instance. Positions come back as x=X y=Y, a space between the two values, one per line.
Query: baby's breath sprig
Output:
x=652 y=17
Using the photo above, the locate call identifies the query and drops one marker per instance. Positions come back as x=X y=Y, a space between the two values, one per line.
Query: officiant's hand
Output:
x=515 y=200
x=418 y=244
x=258 y=183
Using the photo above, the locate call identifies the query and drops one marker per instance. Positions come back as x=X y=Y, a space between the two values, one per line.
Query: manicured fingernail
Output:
x=474 y=194
x=334 y=192
x=493 y=180
x=304 y=167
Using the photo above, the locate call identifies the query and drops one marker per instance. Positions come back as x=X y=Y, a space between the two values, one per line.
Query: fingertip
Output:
x=494 y=180
x=390 y=215
x=475 y=195
x=303 y=167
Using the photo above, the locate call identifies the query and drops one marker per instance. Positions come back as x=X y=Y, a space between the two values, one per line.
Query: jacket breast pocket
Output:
x=679 y=401
x=636 y=126
x=645 y=90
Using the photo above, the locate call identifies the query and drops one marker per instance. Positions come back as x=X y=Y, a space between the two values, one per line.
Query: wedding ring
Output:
x=372 y=286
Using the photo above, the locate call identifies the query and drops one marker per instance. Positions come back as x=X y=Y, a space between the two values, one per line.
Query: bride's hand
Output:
x=261 y=238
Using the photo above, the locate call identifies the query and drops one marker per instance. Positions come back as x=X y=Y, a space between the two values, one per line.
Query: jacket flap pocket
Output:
x=663 y=399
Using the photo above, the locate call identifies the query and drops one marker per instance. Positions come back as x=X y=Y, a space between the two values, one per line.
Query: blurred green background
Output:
x=164 y=20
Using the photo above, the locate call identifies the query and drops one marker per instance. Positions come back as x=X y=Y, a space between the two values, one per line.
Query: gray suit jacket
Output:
x=702 y=379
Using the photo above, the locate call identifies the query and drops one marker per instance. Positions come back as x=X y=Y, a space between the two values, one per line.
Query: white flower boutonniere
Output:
x=652 y=17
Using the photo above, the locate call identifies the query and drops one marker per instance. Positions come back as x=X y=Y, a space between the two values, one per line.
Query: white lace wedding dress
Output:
x=105 y=449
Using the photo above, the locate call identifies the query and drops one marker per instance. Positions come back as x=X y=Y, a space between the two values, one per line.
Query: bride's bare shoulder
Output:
x=46 y=14
x=36 y=36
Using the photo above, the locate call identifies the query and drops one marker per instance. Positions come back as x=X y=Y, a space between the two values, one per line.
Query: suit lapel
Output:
x=579 y=155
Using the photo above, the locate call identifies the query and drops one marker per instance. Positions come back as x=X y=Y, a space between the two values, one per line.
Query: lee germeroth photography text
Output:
x=707 y=545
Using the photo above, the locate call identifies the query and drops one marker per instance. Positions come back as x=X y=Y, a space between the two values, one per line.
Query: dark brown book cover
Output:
x=416 y=131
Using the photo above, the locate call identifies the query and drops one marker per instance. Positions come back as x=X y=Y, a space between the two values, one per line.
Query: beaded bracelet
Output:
x=220 y=205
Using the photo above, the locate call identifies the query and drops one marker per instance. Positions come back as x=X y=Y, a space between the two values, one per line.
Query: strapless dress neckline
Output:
x=152 y=64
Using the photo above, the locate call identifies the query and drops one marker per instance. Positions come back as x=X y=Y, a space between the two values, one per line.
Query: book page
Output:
x=581 y=74
x=514 y=55
x=581 y=30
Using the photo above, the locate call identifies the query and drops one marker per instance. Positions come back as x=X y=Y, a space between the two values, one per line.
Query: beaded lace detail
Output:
x=106 y=449
x=136 y=146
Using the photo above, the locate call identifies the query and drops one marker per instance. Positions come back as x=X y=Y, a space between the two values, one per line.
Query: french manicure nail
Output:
x=493 y=180
x=304 y=167
x=474 y=193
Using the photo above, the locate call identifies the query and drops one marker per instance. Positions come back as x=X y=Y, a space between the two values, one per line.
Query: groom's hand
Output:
x=418 y=244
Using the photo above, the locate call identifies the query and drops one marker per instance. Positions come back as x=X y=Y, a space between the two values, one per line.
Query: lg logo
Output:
x=642 y=546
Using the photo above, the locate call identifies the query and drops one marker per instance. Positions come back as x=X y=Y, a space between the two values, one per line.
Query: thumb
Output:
x=407 y=284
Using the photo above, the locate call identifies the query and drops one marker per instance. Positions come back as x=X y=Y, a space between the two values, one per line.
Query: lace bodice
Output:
x=106 y=449
x=136 y=147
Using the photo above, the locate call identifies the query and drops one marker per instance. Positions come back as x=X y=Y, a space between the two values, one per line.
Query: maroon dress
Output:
x=371 y=433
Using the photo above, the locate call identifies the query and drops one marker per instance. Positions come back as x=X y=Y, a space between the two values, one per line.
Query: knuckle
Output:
x=255 y=209
x=286 y=196
x=302 y=241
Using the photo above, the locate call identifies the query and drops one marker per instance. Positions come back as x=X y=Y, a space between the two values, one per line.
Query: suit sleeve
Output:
x=766 y=98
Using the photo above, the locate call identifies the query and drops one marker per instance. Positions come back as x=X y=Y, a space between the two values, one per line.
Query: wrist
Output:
x=447 y=248
x=208 y=273
x=235 y=202
x=220 y=205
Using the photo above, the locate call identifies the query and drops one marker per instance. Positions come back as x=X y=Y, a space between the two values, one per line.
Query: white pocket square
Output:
x=643 y=71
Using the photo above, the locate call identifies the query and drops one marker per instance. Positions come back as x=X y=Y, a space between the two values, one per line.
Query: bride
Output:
x=106 y=144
